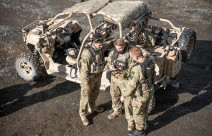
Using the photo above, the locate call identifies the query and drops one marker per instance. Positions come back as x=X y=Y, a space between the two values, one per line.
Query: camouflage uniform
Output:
x=128 y=100
x=91 y=76
x=139 y=91
x=117 y=88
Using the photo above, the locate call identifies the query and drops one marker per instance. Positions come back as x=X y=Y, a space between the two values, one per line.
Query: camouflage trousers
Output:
x=116 y=89
x=89 y=95
x=136 y=111
x=128 y=109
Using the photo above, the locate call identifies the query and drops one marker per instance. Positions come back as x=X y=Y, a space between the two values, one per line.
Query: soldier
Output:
x=92 y=65
x=140 y=88
x=118 y=59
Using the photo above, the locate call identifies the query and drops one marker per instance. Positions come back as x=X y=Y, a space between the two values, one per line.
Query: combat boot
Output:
x=85 y=121
x=114 y=115
x=130 y=126
x=139 y=132
x=130 y=133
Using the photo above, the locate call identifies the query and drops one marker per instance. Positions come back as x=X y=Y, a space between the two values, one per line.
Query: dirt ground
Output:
x=50 y=107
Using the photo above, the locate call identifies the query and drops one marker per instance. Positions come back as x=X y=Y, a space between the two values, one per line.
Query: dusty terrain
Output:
x=50 y=107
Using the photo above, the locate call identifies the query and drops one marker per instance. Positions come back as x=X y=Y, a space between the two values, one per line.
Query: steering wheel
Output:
x=63 y=34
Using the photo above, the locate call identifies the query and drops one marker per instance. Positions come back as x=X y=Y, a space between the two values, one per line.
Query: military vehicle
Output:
x=55 y=43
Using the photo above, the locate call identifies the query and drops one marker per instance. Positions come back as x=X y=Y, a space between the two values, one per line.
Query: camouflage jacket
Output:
x=118 y=60
x=137 y=85
x=87 y=61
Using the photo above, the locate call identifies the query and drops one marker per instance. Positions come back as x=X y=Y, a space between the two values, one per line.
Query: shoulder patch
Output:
x=132 y=72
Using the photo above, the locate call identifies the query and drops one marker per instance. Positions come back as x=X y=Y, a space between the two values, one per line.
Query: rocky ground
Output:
x=50 y=107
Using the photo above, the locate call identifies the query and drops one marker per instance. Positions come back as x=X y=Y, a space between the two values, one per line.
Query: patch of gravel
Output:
x=201 y=13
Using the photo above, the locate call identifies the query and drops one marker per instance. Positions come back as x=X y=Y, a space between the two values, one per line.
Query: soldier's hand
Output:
x=118 y=71
x=111 y=67
x=122 y=99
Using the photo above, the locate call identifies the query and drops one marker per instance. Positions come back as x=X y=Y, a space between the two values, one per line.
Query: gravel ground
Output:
x=50 y=107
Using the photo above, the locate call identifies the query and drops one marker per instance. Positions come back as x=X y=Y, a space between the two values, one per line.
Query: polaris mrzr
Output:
x=55 y=44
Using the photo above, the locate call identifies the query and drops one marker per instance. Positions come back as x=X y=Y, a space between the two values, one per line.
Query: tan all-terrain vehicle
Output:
x=56 y=44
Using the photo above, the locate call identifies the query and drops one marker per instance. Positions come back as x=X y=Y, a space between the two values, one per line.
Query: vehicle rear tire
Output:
x=187 y=43
x=28 y=66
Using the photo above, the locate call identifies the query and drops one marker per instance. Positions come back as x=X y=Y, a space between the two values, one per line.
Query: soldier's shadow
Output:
x=196 y=103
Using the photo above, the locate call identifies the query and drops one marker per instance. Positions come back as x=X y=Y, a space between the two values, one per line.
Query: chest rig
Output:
x=120 y=60
x=97 y=60
x=148 y=70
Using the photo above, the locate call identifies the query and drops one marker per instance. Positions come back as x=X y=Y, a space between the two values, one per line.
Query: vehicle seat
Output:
x=75 y=29
x=71 y=57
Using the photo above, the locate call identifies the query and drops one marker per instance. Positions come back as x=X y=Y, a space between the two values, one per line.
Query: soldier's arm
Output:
x=107 y=45
x=132 y=82
x=85 y=67
x=130 y=63
x=147 y=91
x=147 y=94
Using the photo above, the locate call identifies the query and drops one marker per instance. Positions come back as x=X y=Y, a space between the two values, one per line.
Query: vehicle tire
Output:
x=28 y=66
x=151 y=104
x=186 y=43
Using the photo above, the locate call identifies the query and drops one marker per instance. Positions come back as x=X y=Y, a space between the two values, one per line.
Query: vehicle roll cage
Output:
x=104 y=5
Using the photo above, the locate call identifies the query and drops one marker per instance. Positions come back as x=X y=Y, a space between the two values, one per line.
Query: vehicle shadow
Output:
x=15 y=97
x=165 y=98
x=195 y=78
x=197 y=103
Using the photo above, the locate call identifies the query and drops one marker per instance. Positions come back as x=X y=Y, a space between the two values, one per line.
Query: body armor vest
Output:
x=120 y=60
x=148 y=70
x=97 y=59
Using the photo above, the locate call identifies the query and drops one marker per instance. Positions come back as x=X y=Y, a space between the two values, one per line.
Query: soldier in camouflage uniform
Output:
x=140 y=88
x=92 y=65
x=119 y=59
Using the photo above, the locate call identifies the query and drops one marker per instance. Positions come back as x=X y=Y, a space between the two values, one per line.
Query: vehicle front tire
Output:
x=28 y=66
x=186 y=43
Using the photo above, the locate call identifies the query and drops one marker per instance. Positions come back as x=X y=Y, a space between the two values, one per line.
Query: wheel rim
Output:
x=190 y=46
x=25 y=68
